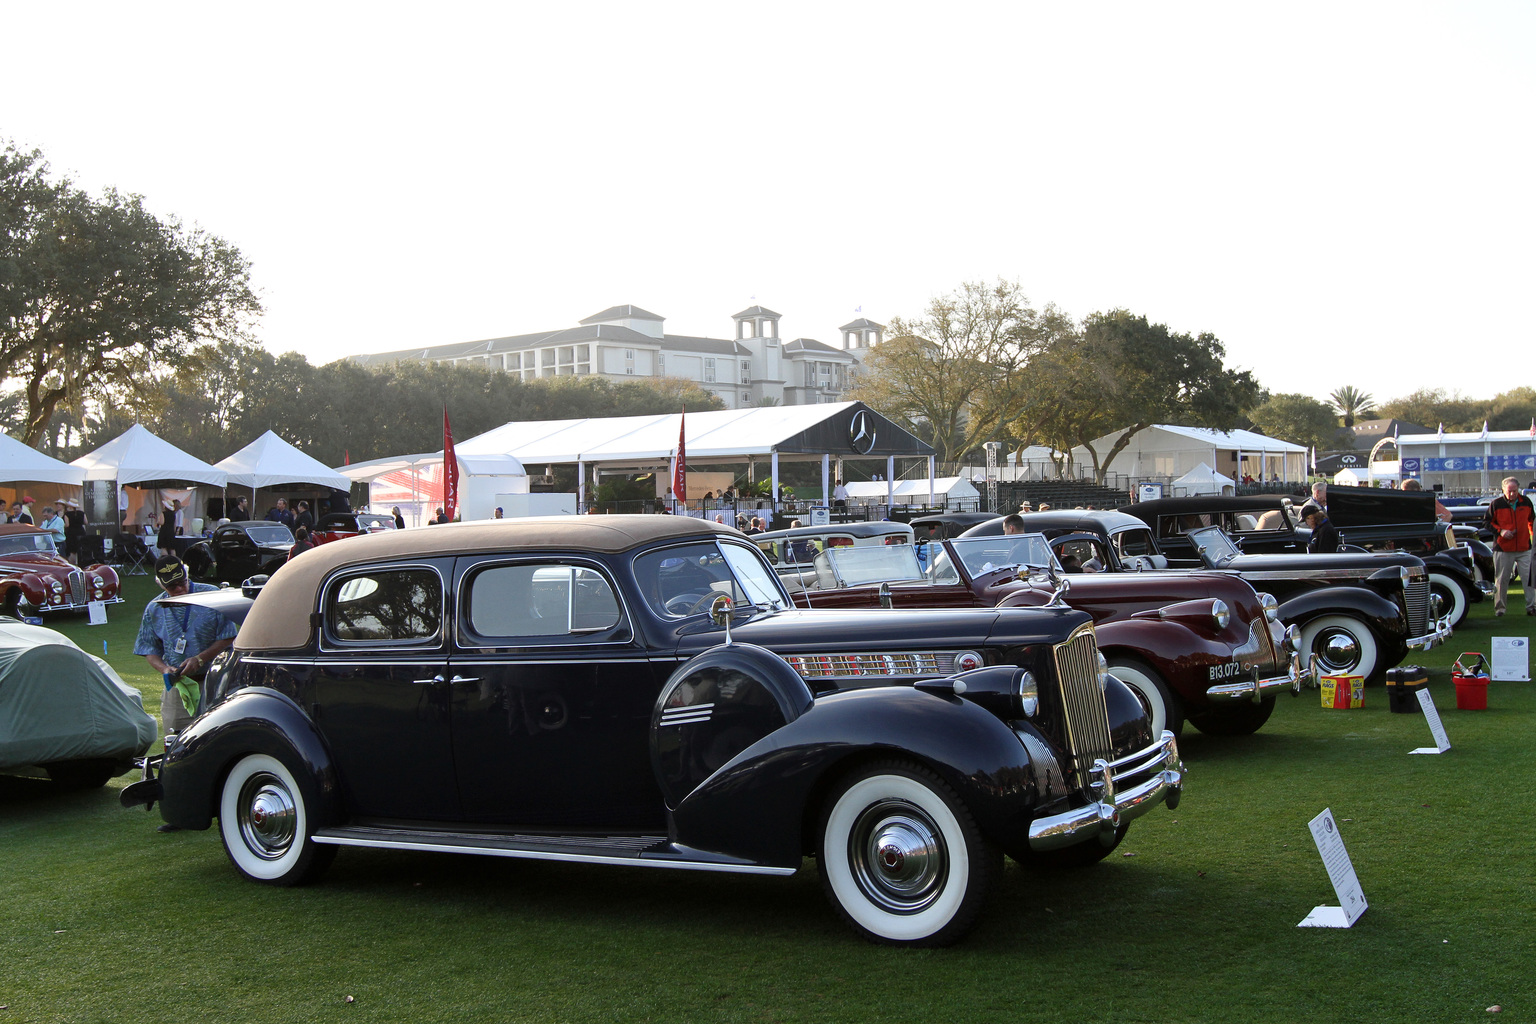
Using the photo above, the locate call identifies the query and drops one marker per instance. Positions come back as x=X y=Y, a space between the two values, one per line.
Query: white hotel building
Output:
x=623 y=342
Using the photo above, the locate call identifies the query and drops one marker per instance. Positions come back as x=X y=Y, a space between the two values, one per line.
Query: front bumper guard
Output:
x=146 y=792
x=1122 y=790
x=1259 y=687
x=1434 y=637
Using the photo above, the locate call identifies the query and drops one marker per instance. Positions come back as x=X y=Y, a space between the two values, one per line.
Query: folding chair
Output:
x=131 y=555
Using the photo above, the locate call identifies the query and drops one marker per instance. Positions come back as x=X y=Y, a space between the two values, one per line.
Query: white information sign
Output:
x=96 y=613
x=1436 y=727
x=1330 y=845
x=1511 y=659
x=820 y=517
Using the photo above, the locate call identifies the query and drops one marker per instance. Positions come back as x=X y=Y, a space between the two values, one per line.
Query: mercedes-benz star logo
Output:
x=861 y=432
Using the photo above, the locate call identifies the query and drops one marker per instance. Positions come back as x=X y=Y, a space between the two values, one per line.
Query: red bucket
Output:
x=1470 y=674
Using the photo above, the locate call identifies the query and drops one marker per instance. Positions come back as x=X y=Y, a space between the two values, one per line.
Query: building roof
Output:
x=862 y=324
x=755 y=311
x=622 y=313
x=818 y=348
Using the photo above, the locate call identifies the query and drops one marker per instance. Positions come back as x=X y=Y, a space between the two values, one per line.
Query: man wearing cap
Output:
x=178 y=641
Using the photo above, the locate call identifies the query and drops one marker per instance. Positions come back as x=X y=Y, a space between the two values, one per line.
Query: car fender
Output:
x=1178 y=653
x=763 y=805
x=1448 y=564
x=253 y=721
x=1380 y=614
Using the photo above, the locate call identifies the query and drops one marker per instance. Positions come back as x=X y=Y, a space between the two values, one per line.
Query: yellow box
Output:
x=1343 y=692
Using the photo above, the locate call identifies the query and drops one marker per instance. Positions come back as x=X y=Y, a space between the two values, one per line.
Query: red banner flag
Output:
x=450 y=471
x=680 y=471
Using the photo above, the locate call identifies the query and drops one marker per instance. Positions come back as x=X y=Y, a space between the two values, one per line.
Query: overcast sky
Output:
x=1341 y=192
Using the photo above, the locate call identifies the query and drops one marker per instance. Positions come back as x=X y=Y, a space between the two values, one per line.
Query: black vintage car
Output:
x=638 y=690
x=1359 y=613
x=241 y=550
x=1368 y=518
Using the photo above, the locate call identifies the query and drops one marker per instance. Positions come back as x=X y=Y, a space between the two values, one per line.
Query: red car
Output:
x=35 y=578
x=341 y=525
x=1198 y=646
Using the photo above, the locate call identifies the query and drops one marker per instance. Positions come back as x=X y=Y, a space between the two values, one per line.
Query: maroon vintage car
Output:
x=341 y=525
x=35 y=578
x=1198 y=646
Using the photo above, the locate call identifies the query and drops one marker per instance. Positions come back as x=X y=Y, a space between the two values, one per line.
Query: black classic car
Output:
x=240 y=550
x=1368 y=518
x=1203 y=646
x=638 y=690
x=1359 y=613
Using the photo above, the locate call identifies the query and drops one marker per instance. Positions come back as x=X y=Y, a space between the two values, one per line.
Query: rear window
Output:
x=385 y=606
x=540 y=600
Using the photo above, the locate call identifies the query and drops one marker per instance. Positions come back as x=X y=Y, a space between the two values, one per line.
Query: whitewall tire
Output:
x=265 y=824
x=1343 y=644
x=1454 y=598
x=901 y=857
x=1164 y=707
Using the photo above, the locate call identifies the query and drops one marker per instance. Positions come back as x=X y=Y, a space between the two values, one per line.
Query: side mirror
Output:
x=885 y=595
x=720 y=614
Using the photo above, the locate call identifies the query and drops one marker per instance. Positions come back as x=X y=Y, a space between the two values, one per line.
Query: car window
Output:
x=24 y=543
x=1133 y=543
x=393 y=606
x=1214 y=547
x=275 y=533
x=684 y=580
x=540 y=599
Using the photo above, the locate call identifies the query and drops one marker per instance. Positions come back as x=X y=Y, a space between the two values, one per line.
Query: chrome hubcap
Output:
x=1338 y=650
x=268 y=816
x=898 y=857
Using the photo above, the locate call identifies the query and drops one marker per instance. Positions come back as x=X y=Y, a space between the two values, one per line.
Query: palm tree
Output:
x=1352 y=402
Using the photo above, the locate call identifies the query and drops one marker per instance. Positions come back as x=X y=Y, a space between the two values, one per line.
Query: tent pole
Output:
x=581 y=486
x=775 y=468
x=826 y=480
x=930 y=482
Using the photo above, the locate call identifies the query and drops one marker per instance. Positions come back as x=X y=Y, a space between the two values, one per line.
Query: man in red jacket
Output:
x=1510 y=517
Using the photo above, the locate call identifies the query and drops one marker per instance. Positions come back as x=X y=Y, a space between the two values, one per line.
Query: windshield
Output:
x=681 y=581
x=271 y=536
x=1215 y=548
x=851 y=566
x=982 y=555
x=27 y=543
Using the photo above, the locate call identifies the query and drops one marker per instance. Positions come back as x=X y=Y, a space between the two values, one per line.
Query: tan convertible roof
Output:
x=280 y=618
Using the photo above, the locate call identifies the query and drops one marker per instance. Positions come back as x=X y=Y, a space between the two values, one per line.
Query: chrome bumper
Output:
x=1438 y=635
x=1258 y=688
x=1150 y=777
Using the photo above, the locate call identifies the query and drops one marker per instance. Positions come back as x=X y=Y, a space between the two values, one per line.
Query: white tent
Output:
x=1202 y=480
x=23 y=463
x=136 y=458
x=414 y=483
x=269 y=461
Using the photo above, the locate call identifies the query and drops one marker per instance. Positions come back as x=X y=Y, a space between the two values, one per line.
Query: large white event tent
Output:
x=25 y=472
x=646 y=444
x=138 y=459
x=414 y=483
x=269 y=462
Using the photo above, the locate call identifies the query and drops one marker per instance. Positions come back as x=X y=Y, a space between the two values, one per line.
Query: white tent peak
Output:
x=270 y=461
x=137 y=457
x=20 y=462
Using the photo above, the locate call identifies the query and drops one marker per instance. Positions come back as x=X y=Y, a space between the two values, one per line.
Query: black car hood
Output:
x=1343 y=563
x=911 y=629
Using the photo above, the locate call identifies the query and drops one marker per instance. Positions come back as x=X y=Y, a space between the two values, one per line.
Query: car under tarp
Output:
x=60 y=704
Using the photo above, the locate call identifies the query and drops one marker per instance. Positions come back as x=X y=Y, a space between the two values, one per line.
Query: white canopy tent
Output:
x=914 y=492
x=1203 y=480
x=271 y=462
x=1165 y=451
x=414 y=483
x=27 y=472
x=137 y=458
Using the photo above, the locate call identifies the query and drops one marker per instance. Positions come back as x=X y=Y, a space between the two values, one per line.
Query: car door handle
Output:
x=464 y=679
x=434 y=681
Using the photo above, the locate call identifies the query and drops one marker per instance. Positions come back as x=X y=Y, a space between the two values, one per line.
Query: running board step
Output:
x=649 y=851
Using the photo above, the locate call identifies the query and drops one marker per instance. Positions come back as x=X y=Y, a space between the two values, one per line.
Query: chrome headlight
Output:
x=1103 y=672
x=97 y=581
x=1271 y=607
x=1029 y=694
x=1220 y=613
x=56 y=587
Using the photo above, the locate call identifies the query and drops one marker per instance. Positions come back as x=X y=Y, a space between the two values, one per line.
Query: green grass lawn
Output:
x=1193 y=919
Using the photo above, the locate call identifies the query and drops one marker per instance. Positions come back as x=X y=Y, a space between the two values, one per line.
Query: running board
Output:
x=645 y=851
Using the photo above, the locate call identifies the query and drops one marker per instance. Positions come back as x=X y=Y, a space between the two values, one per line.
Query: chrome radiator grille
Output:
x=1082 y=702
x=77 y=591
x=1416 y=593
x=897 y=665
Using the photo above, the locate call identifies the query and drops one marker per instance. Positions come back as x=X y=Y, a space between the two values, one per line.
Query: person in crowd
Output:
x=1325 y=538
x=1441 y=512
x=179 y=641
x=840 y=495
x=19 y=514
x=179 y=515
x=1510 y=517
x=440 y=518
x=74 y=530
x=1013 y=524
x=54 y=524
x=239 y=512
x=499 y=513
x=1320 y=494
x=302 y=542
x=303 y=517
x=279 y=513
x=1025 y=508
x=166 y=538
x=5 y=514
x=1045 y=506
x=399 y=519
x=149 y=532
